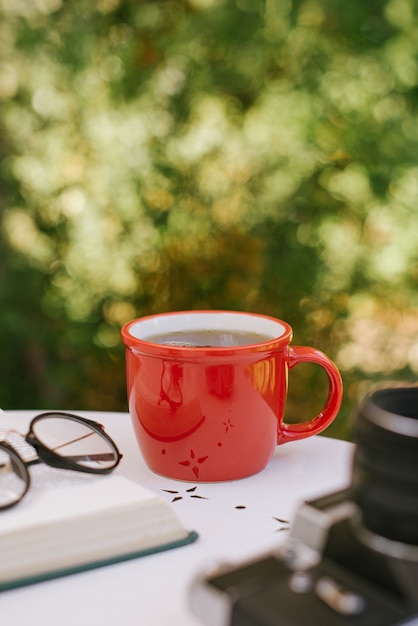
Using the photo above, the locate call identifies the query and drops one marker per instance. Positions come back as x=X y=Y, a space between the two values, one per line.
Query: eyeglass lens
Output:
x=13 y=478
x=75 y=441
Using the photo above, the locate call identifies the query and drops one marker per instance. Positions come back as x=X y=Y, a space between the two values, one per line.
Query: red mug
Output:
x=207 y=391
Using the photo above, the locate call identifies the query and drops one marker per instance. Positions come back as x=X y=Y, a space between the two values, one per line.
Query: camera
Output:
x=352 y=556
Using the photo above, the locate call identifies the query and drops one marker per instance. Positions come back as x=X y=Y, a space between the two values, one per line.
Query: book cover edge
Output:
x=191 y=537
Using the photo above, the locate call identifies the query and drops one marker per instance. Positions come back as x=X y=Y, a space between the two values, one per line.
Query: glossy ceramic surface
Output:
x=214 y=414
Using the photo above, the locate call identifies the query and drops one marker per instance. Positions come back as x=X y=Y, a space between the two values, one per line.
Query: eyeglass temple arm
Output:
x=31 y=438
x=92 y=457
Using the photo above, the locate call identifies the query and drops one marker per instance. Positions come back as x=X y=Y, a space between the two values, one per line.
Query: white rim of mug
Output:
x=393 y=422
x=152 y=325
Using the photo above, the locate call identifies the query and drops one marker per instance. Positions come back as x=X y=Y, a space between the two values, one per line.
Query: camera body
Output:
x=332 y=571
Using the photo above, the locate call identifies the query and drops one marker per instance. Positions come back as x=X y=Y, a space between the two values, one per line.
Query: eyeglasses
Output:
x=60 y=440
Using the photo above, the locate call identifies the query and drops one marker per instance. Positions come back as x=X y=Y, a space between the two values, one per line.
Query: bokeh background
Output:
x=258 y=155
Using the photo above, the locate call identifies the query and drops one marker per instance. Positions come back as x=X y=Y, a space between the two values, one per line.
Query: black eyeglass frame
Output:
x=51 y=458
x=20 y=468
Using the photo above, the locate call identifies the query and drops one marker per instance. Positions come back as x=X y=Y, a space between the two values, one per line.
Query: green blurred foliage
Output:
x=158 y=155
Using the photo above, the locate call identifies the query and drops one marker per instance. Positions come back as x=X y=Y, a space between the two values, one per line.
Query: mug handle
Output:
x=292 y=432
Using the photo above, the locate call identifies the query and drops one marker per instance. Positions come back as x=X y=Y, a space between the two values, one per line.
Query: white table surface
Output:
x=154 y=590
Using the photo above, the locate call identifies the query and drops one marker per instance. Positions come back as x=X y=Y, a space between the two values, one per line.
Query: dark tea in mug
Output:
x=212 y=338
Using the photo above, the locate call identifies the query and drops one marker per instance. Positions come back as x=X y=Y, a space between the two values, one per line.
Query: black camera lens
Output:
x=385 y=467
